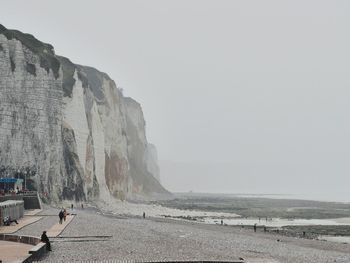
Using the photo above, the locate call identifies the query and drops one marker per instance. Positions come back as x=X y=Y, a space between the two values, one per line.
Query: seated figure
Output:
x=45 y=239
x=8 y=221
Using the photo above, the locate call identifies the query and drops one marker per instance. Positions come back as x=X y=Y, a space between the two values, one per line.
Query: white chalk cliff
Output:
x=68 y=127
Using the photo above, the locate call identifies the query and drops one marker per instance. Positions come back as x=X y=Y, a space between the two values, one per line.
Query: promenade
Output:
x=18 y=252
x=28 y=218
x=13 y=251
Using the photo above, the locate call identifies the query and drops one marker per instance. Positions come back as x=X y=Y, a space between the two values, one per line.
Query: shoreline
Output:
x=175 y=232
x=127 y=210
x=278 y=231
x=114 y=237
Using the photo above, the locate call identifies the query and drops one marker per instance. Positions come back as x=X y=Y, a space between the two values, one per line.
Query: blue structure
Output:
x=8 y=180
x=8 y=184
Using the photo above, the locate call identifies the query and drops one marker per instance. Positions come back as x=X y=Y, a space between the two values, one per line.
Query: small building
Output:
x=10 y=184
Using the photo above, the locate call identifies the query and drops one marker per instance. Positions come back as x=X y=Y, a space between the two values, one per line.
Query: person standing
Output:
x=64 y=215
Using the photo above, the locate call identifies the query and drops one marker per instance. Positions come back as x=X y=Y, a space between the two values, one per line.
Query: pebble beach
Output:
x=94 y=236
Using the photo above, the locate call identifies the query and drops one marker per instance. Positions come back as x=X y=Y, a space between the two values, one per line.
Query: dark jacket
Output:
x=44 y=238
x=61 y=214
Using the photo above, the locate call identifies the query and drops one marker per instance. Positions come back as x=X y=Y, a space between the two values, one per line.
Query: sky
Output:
x=243 y=96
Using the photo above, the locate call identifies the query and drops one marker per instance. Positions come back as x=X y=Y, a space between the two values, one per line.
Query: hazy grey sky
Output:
x=238 y=96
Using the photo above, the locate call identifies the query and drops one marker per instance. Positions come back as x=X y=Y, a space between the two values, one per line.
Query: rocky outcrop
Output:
x=68 y=128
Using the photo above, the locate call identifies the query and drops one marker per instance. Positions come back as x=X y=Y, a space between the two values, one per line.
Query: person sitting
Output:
x=45 y=239
x=8 y=221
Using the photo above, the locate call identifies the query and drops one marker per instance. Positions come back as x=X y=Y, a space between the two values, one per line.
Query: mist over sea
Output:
x=269 y=181
x=326 y=197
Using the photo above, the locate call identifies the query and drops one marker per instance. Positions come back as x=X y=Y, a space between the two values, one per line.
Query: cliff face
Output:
x=138 y=148
x=152 y=161
x=68 y=128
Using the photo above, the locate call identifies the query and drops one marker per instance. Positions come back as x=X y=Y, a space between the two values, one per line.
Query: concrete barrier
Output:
x=38 y=251
x=161 y=261
x=11 y=208
x=30 y=240
x=29 y=259
x=31 y=199
x=4 y=198
x=34 y=253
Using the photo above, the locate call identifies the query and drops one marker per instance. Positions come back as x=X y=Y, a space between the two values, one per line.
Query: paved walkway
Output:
x=26 y=220
x=17 y=252
x=13 y=252
x=32 y=212
x=57 y=229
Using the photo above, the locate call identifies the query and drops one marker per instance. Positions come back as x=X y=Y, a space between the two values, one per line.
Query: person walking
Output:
x=45 y=239
x=61 y=215
x=64 y=215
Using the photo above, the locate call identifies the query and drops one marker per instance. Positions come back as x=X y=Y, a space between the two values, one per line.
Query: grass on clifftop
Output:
x=44 y=51
x=68 y=81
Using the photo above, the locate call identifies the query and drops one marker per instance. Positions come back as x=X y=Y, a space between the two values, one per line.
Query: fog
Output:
x=238 y=96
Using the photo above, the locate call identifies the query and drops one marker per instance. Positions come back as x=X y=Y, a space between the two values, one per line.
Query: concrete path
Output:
x=26 y=220
x=260 y=260
x=57 y=229
x=17 y=252
x=13 y=252
x=32 y=212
